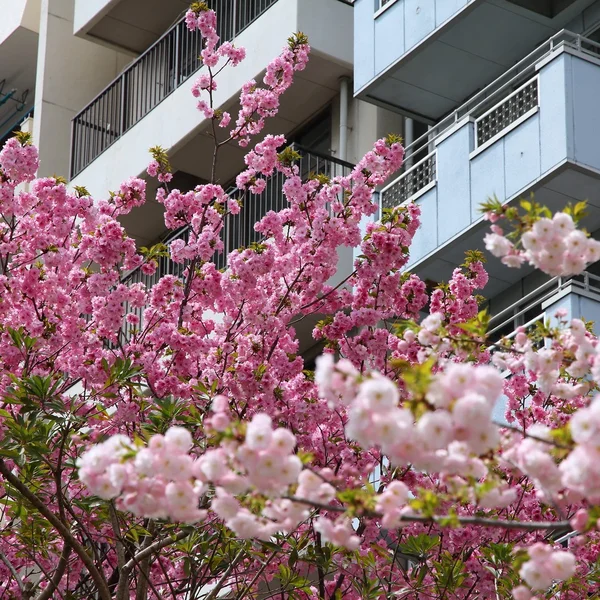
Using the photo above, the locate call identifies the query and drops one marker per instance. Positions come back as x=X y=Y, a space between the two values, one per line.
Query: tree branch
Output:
x=440 y=519
x=13 y=571
x=57 y=576
x=61 y=528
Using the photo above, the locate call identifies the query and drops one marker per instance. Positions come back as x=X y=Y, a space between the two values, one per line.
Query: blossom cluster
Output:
x=163 y=480
x=205 y=21
x=157 y=482
x=554 y=246
x=18 y=161
x=447 y=439
x=545 y=565
x=581 y=469
x=258 y=103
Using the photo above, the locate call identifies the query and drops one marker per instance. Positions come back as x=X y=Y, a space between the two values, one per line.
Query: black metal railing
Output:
x=16 y=120
x=238 y=230
x=164 y=67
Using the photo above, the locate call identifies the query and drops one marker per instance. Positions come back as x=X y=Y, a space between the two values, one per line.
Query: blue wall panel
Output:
x=522 y=155
x=586 y=112
x=553 y=119
x=577 y=307
x=364 y=43
x=425 y=239
x=389 y=36
x=454 y=193
x=444 y=9
x=419 y=17
x=487 y=177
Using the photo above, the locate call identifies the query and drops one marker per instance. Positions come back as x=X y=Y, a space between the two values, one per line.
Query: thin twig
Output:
x=61 y=528
x=13 y=571
x=225 y=576
x=441 y=519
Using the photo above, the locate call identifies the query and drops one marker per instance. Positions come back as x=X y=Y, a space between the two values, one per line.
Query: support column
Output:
x=70 y=73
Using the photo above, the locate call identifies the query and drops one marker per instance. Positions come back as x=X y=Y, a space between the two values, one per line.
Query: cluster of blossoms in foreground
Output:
x=553 y=245
x=169 y=440
x=544 y=566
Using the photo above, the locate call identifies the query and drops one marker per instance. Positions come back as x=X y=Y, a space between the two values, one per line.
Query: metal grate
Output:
x=494 y=121
x=410 y=183
x=164 y=67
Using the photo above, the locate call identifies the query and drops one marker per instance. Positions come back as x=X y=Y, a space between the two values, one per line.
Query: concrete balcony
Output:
x=130 y=24
x=19 y=29
x=151 y=102
x=578 y=295
x=425 y=57
x=538 y=133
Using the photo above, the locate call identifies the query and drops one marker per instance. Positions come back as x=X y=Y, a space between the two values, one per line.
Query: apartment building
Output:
x=508 y=92
x=494 y=97
x=19 y=29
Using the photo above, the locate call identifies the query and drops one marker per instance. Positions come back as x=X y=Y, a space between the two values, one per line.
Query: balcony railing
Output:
x=495 y=110
x=529 y=310
x=238 y=230
x=164 y=67
x=413 y=182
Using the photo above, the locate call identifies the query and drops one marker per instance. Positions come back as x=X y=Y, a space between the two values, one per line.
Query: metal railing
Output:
x=521 y=103
x=527 y=310
x=16 y=123
x=164 y=67
x=411 y=182
x=503 y=87
x=238 y=230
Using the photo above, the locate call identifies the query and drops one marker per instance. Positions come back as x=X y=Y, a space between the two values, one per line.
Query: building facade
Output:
x=493 y=97
x=507 y=91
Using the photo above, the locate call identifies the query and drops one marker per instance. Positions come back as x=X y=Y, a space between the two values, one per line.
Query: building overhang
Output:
x=469 y=50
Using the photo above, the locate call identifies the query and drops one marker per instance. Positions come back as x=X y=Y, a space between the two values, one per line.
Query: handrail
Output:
x=151 y=78
x=327 y=157
x=541 y=294
x=412 y=168
x=520 y=70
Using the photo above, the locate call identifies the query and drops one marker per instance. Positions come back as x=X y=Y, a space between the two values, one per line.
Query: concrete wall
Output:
x=175 y=121
x=383 y=37
x=88 y=12
x=566 y=127
x=71 y=72
x=18 y=13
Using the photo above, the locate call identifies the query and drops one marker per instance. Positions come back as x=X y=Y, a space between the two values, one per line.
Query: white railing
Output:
x=513 y=109
x=504 y=87
x=513 y=316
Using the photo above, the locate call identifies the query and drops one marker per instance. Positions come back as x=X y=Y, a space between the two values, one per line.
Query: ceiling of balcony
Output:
x=467 y=53
x=18 y=60
x=570 y=185
x=136 y=24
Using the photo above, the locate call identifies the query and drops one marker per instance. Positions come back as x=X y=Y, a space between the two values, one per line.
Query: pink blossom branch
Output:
x=440 y=519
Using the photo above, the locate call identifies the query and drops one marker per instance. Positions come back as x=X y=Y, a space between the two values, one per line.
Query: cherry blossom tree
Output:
x=169 y=441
